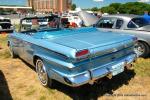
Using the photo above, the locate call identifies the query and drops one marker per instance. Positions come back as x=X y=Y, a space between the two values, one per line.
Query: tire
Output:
x=12 y=54
x=142 y=49
x=42 y=74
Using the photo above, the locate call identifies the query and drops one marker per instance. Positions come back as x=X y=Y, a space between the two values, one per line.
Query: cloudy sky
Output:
x=79 y=3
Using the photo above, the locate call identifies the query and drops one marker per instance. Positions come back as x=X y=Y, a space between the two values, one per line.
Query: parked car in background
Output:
x=5 y=25
x=73 y=19
x=65 y=22
x=129 y=24
x=73 y=56
x=42 y=21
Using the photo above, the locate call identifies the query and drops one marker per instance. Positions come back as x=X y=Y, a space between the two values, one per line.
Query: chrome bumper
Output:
x=91 y=75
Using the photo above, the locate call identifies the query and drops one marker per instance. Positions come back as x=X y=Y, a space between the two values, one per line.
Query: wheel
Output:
x=141 y=49
x=42 y=74
x=12 y=54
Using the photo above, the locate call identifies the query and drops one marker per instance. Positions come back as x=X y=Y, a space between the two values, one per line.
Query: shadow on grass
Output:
x=30 y=66
x=93 y=92
x=4 y=89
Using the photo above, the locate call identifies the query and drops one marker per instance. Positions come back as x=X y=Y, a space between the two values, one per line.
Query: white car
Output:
x=5 y=25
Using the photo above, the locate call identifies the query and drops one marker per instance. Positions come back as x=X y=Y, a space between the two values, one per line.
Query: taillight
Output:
x=82 y=53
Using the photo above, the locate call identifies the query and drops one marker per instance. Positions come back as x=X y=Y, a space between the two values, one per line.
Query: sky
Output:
x=79 y=3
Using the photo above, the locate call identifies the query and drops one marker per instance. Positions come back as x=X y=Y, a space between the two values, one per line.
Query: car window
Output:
x=140 y=22
x=131 y=25
x=35 y=24
x=119 y=23
x=106 y=23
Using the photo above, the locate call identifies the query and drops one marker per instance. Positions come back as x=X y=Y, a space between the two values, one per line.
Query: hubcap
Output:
x=41 y=72
x=139 y=49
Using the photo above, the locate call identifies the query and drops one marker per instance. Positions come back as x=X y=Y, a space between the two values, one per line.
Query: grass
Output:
x=23 y=83
x=142 y=67
x=4 y=52
x=3 y=40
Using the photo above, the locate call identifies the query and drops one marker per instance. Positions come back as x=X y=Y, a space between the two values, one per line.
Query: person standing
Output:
x=146 y=16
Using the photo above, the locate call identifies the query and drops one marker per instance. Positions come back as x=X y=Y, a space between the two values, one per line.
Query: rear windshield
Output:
x=39 y=23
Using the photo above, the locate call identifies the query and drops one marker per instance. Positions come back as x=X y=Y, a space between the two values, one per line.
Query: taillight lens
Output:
x=82 y=53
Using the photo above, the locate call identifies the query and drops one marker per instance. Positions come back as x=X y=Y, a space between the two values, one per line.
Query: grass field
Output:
x=18 y=81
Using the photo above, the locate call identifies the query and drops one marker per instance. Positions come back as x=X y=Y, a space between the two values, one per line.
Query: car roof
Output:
x=124 y=16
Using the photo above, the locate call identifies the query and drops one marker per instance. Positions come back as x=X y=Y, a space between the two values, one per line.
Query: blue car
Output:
x=72 y=56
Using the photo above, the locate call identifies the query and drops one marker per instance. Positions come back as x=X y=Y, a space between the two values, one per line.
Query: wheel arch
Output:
x=35 y=57
x=144 y=41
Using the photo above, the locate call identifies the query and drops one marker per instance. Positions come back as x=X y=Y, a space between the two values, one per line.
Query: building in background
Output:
x=50 y=5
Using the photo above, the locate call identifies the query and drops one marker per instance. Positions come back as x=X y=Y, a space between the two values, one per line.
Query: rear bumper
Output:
x=92 y=75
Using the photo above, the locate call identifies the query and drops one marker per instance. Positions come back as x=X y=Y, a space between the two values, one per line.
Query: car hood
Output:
x=87 y=38
x=145 y=28
x=88 y=18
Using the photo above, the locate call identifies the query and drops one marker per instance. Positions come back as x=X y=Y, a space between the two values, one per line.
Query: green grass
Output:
x=142 y=67
x=17 y=27
x=31 y=92
x=3 y=40
x=4 y=52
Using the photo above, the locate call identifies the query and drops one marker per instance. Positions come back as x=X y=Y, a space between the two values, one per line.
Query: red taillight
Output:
x=82 y=53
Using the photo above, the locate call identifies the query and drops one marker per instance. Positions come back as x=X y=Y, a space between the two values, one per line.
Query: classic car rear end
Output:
x=95 y=55
x=73 y=56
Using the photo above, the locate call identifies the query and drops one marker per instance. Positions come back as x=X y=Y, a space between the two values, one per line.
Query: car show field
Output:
x=19 y=82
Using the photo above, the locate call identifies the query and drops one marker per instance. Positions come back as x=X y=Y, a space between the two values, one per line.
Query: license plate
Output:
x=118 y=68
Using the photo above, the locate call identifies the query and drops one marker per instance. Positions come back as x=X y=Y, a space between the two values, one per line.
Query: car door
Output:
x=25 y=46
x=17 y=44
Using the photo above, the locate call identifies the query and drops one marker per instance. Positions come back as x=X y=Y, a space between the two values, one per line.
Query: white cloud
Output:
x=98 y=0
x=143 y=0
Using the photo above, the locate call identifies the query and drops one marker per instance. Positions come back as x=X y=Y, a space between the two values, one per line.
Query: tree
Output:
x=110 y=10
x=127 y=8
x=115 y=5
x=94 y=9
x=73 y=6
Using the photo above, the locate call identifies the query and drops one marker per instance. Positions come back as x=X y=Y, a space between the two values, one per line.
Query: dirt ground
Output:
x=19 y=81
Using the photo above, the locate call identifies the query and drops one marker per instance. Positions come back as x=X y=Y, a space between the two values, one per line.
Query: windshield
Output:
x=47 y=23
x=140 y=22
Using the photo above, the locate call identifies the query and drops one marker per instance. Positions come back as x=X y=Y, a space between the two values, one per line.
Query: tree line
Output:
x=137 y=8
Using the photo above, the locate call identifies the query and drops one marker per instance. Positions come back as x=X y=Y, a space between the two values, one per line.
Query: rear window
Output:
x=138 y=22
x=106 y=23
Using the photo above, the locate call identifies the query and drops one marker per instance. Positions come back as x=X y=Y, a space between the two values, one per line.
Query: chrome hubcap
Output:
x=139 y=49
x=41 y=72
